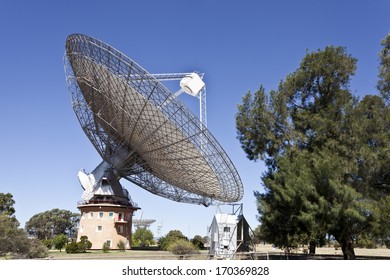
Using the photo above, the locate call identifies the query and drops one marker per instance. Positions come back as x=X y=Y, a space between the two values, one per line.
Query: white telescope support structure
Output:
x=199 y=90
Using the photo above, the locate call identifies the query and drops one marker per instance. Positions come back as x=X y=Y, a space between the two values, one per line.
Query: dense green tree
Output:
x=7 y=204
x=51 y=223
x=142 y=237
x=198 y=242
x=59 y=241
x=326 y=153
x=171 y=237
x=257 y=235
x=13 y=240
x=384 y=70
x=73 y=248
x=294 y=195
x=84 y=244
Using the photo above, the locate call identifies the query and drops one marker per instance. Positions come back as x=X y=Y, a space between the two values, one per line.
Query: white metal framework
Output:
x=142 y=132
x=229 y=234
x=201 y=95
x=142 y=223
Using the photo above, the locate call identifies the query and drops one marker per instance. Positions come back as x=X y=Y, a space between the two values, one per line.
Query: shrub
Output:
x=105 y=247
x=142 y=237
x=171 y=238
x=198 y=242
x=60 y=241
x=366 y=241
x=84 y=243
x=48 y=243
x=182 y=247
x=38 y=250
x=121 y=246
x=78 y=247
x=72 y=248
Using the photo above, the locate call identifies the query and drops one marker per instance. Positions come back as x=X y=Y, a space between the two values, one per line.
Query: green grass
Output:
x=116 y=254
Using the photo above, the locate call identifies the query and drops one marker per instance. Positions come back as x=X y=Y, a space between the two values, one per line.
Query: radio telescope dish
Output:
x=142 y=131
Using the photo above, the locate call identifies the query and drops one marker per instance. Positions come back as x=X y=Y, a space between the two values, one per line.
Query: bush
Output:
x=60 y=241
x=197 y=241
x=48 y=243
x=78 y=247
x=142 y=237
x=13 y=240
x=170 y=238
x=182 y=247
x=38 y=250
x=72 y=248
x=121 y=246
x=366 y=241
x=84 y=243
x=105 y=247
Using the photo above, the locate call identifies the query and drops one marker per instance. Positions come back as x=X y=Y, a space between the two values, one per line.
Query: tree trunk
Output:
x=312 y=248
x=347 y=247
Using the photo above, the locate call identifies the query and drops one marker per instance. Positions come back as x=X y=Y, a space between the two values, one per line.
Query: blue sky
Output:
x=237 y=44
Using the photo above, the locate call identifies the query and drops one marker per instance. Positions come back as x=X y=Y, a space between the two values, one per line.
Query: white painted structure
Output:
x=223 y=236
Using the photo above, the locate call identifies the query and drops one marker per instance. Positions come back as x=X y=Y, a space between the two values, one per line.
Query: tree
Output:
x=384 y=70
x=170 y=238
x=12 y=239
x=7 y=204
x=198 y=242
x=59 y=241
x=206 y=240
x=51 y=223
x=142 y=237
x=318 y=142
x=292 y=192
x=84 y=244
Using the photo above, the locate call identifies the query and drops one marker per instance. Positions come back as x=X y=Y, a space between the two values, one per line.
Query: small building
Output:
x=229 y=234
x=106 y=223
x=223 y=236
x=106 y=214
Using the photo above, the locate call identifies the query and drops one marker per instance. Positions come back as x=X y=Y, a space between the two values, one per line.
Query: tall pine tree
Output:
x=326 y=153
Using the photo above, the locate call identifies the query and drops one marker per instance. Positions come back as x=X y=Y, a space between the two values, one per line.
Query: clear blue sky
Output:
x=237 y=44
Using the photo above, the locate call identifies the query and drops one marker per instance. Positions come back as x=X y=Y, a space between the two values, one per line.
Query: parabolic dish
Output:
x=146 y=135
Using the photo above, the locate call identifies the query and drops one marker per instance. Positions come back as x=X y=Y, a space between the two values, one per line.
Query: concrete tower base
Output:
x=106 y=223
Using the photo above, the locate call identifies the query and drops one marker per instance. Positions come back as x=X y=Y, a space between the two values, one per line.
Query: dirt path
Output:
x=379 y=252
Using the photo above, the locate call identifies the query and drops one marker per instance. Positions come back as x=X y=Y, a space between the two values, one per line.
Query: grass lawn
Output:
x=127 y=255
x=164 y=255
